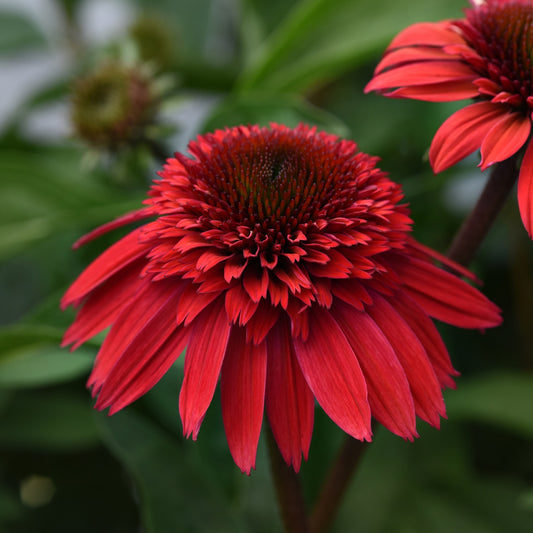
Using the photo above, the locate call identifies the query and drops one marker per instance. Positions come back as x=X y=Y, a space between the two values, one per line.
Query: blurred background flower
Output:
x=65 y=467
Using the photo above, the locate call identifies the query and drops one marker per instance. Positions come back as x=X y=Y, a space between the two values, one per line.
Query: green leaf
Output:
x=30 y=357
x=18 y=32
x=503 y=400
x=264 y=109
x=45 y=192
x=430 y=485
x=48 y=420
x=173 y=495
x=260 y=18
x=319 y=39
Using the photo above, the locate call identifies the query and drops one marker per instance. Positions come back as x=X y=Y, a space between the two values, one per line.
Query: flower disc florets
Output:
x=272 y=216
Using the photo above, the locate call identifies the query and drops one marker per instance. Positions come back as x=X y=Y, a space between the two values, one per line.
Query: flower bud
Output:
x=113 y=105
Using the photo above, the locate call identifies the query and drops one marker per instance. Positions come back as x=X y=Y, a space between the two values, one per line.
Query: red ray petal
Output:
x=128 y=218
x=462 y=133
x=504 y=139
x=146 y=303
x=209 y=338
x=145 y=361
x=445 y=296
x=427 y=34
x=192 y=303
x=351 y=292
x=421 y=73
x=525 y=190
x=429 y=404
x=338 y=266
x=446 y=91
x=333 y=374
x=239 y=306
x=104 y=304
x=412 y=54
x=289 y=401
x=255 y=282
x=234 y=267
x=261 y=322
x=389 y=394
x=117 y=256
x=452 y=265
x=209 y=259
x=424 y=328
x=242 y=389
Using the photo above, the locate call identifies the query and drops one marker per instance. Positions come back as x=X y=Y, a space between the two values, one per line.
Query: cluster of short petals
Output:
x=487 y=56
x=282 y=259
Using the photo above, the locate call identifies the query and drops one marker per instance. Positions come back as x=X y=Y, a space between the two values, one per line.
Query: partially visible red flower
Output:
x=487 y=56
x=282 y=259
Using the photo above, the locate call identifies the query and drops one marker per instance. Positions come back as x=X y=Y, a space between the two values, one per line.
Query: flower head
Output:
x=488 y=56
x=282 y=259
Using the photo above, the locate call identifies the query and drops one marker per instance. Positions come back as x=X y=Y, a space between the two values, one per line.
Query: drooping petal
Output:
x=333 y=374
x=426 y=390
x=445 y=296
x=427 y=34
x=289 y=401
x=143 y=363
x=421 y=73
x=504 y=139
x=205 y=353
x=525 y=189
x=242 y=389
x=192 y=303
x=117 y=256
x=104 y=304
x=239 y=306
x=389 y=394
x=462 y=133
x=426 y=332
x=449 y=263
x=147 y=303
x=412 y=54
x=446 y=91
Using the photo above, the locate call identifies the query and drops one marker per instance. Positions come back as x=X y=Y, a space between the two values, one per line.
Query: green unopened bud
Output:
x=113 y=105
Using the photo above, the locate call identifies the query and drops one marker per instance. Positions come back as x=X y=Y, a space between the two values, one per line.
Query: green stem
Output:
x=335 y=485
x=288 y=490
x=476 y=226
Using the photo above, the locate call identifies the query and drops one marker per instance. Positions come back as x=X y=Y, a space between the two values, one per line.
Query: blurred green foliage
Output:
x=253 y=61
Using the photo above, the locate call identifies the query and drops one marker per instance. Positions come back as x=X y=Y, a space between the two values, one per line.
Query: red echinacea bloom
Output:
x=487 y=56
x=281 y=258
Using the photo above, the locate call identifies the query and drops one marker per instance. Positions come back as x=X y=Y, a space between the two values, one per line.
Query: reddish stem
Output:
x=476 y=226
x=288 y=490
x=336 y=483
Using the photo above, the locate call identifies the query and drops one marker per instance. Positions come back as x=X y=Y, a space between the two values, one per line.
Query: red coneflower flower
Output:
x=282 y=259
x=487 y=56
